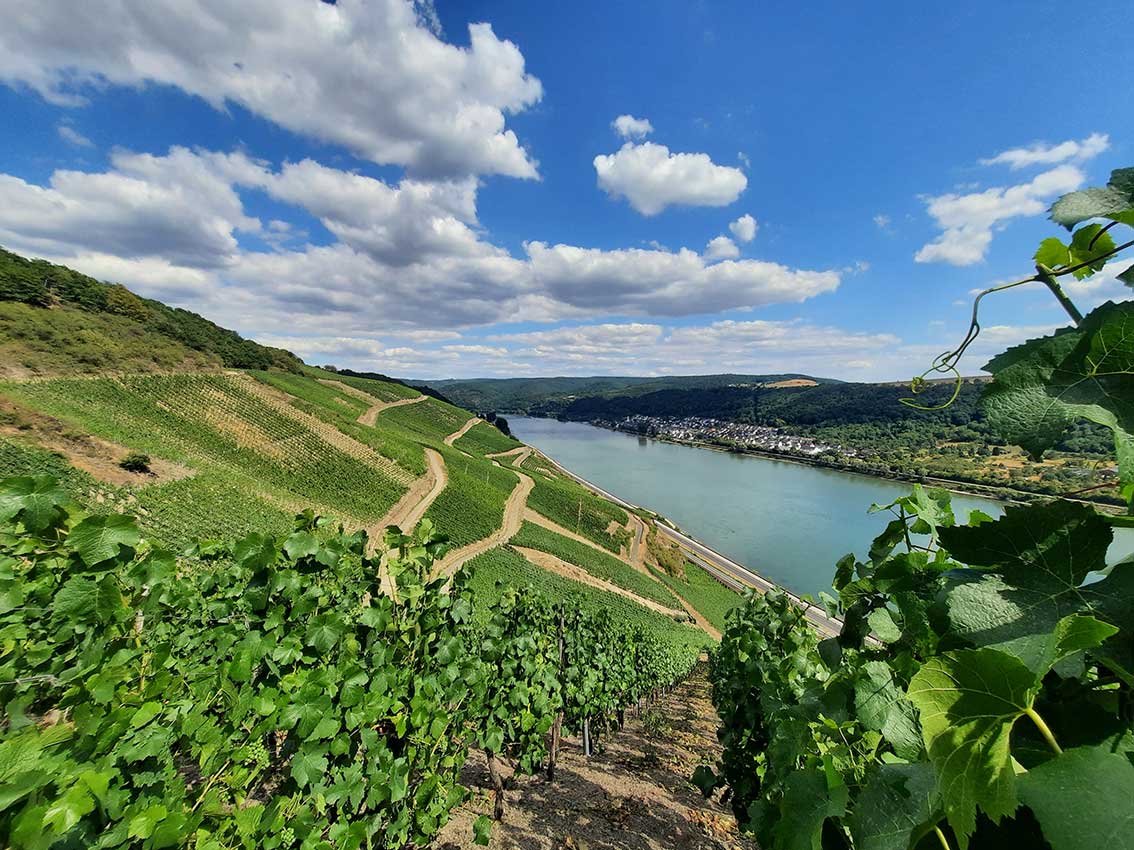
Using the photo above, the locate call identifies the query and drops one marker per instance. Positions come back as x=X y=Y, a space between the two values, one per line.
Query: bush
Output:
x=135 y=462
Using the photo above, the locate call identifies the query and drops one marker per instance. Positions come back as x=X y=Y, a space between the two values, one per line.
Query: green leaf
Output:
x=308 y=766
x=324 y=631
x=881 y=706
x=1082 y=250
x=896 y=807
x=1053 y=253
x=301 y=544
x=482 y=830
x=1114 y=201
x=142 y=825
x=66 y=812
x=1082 y=798
x=37 y=502
x=100 y=538
x=808 y=801
x=1043 y=386
x=968 y=702
x=882 y=625
x=1127 y=276
x=145 y=714
x=83 y=598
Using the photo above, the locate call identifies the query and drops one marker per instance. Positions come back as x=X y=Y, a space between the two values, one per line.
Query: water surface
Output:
x=788 y=521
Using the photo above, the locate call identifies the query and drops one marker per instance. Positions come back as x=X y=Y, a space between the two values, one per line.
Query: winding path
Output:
x=513 y=519
x=409 y=510
x=460 y=432
x=370 y=415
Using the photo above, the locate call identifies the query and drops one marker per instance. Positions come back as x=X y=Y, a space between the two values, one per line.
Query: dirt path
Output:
x=513 y=519
x=460 y=432
x=370 y=415
x=526 y=450
x=637 y=555
x=634 y=795
x=409 y=510
x=552 y=564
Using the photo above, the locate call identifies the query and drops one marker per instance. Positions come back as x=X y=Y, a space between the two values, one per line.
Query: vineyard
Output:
x=600 y=565
x=703 y=592
x=485 y=438
x=576 y=508
x=980 y=693
x=266 y=693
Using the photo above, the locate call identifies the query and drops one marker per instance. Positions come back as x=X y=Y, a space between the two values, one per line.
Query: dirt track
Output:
x=634 y=795
x=409 y=510
x=460 y=432
x=513 y=519
x=370 y=415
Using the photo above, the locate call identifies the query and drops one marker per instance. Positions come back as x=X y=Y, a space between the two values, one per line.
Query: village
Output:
x=739 y=434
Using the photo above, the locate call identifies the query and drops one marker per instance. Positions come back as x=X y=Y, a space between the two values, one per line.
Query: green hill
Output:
x=56 y=321
x=139 y=408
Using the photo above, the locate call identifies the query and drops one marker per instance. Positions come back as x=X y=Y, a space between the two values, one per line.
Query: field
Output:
x=508 y=566
x=703 y=592
x=430 y=421
x=471 y=507
x=485 y=438
x=574 y=507
x=601 y=566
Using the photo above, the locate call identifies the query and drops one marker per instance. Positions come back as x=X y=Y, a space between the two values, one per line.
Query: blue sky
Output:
x=488 y=188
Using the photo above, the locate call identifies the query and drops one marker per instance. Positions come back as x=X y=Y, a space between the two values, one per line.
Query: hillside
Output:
x=548 y=395
x=56 y=321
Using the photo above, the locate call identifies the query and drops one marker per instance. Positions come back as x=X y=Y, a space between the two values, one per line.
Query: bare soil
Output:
x=633 y=795
x=97 y=457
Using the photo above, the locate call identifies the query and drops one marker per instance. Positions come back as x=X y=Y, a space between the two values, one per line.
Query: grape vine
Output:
x=266 y=693
x=981 y=691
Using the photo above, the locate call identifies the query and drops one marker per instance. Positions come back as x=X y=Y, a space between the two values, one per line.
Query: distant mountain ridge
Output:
x=521 y=395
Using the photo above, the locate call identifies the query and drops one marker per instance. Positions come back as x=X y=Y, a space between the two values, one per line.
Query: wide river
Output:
x=788 y=521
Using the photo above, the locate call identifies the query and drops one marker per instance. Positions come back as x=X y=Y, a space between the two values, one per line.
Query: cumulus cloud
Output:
x=968 y=220
x=392 y=257
x=1045 y=154
x=638 y=282
x=651 y=178
x=629 y=127
x=721 y=248
x=372 y=77
x=744 y=228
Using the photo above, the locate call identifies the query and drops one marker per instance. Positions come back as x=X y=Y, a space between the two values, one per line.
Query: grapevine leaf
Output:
x=482 y=830
x=301 y=544
x=1045 y=385
x=1114 y=201
x=1127 y=276
x=1053 y=253
x=82 y=598
x=324 y=631
x=808 y=801
x=1082 y=799
x=884 y=708
x=37 y=502
x=897 y=806
x=66 y=812
x=1083 y=251
x=882 y=625
x=308 y=765
x=969 y=700
x=98 y=539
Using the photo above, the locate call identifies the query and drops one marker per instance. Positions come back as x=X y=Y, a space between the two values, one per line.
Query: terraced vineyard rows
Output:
x=224 y=422
x=576 y=508
x=484 y=438
x=711 y=598
x=471 y=507
x=430 y=421
x=605 y=567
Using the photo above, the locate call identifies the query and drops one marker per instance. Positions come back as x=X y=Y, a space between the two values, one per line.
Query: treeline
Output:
x=825 y=405
x=39 y=283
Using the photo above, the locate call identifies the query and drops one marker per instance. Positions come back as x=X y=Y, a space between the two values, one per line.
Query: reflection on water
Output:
x=789 y=521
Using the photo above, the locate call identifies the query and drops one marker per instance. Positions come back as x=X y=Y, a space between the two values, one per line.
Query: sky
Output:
x=482 y=189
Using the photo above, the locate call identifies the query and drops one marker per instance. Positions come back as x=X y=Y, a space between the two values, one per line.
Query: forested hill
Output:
x=827 y=404
x=524 y=395
x=54 y=320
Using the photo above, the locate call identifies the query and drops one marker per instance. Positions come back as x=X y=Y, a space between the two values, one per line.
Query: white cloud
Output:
x=651 y=178
x=638 y=282
x=73 y=137
x=742 y=157
x=721 y=248
x=1045 y=154
x=882 y=221
x=744 y=228
x=629 y=127
x=397 y=258
x=968 y=220
x=369 y=76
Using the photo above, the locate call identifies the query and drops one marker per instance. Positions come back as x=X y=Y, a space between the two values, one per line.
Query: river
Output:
x=788 y=521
